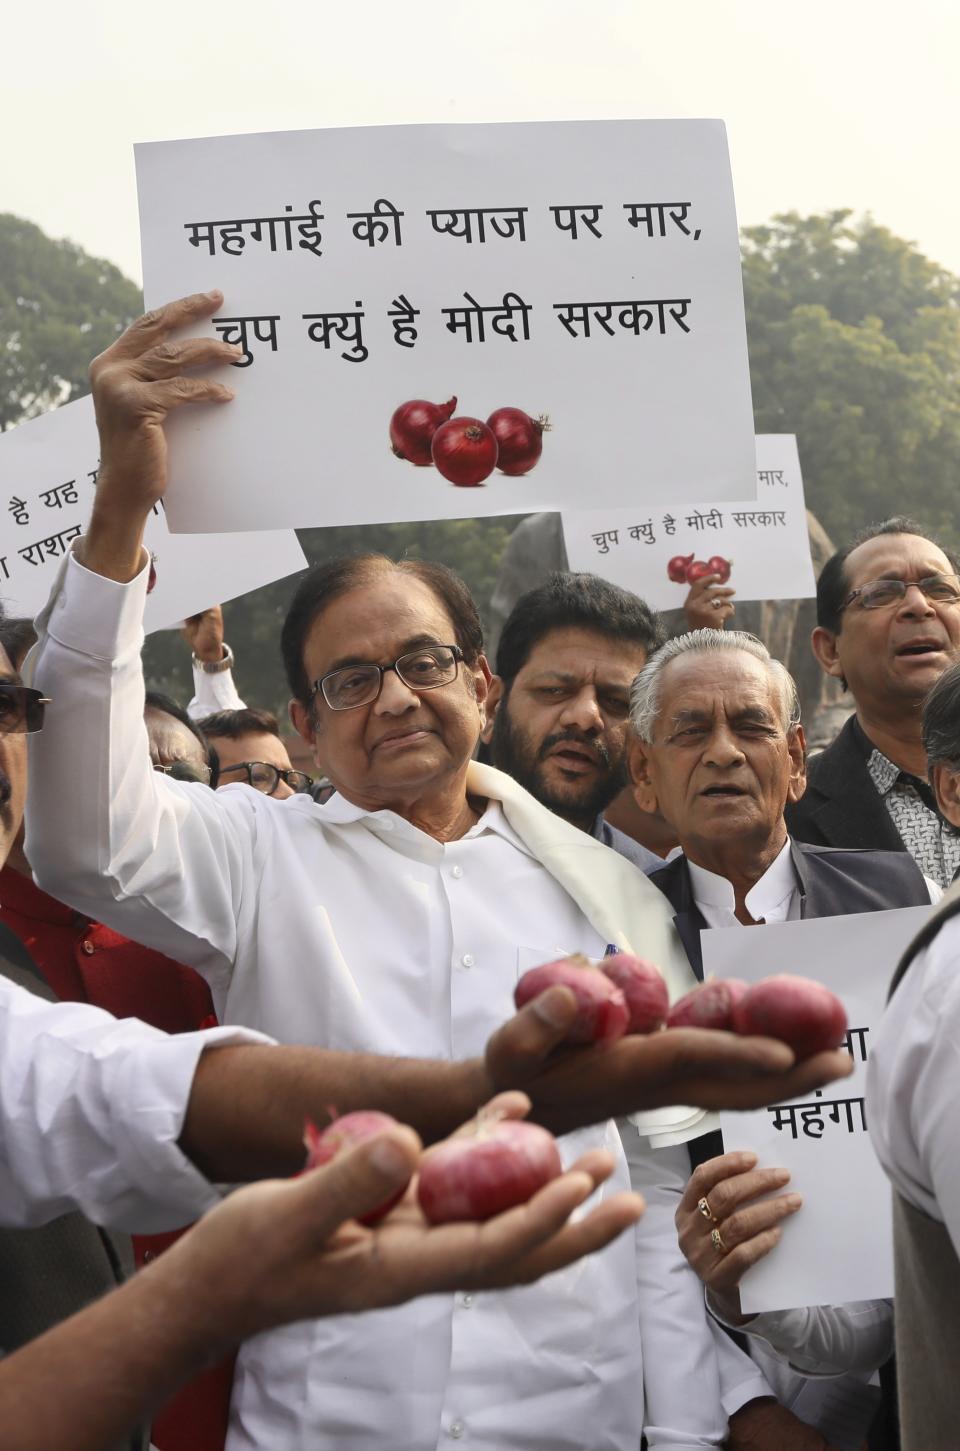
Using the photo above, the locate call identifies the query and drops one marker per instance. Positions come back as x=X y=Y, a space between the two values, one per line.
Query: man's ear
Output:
x=301 y=718
x=495 y=695
x=945 y=781
x=797 y=746
x=638 y=765
x=482 y=678
x=825 y=645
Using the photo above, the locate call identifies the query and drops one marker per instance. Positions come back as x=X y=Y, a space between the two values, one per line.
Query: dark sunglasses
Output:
x=21 y=709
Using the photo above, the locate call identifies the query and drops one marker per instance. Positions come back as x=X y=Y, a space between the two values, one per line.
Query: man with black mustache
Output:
x=888 y=625
x=558 y=705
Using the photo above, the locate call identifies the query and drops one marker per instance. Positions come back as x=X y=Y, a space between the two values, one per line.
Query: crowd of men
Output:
x=358 y=931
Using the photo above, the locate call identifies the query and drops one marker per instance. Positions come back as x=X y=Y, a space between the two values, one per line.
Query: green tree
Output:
x=252 y=624
x=854 y=343
x=59 y=307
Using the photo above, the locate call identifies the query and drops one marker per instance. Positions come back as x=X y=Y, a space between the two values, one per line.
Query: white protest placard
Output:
x=838 y=1247
x=764 y=539
x=48 y=470
x=588 y=272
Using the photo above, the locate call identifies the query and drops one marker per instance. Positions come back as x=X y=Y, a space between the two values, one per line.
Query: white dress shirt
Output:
x=354 y=930
x=212 y=692
x=913 y=1106
x=774 y=898
x=694 y=1376
x=91 y=1108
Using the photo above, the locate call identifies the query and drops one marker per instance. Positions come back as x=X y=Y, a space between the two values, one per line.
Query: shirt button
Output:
x=466 y=1301
x=467 y=959
x=457 y=872
x=148 y=1255
x=457 y=1429
x=88 y=947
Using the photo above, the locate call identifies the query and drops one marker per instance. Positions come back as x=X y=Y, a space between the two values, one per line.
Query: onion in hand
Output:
x=501 y=1164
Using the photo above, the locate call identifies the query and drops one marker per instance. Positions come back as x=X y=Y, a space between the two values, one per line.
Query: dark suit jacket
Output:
x=832 y=883
x=841 y=806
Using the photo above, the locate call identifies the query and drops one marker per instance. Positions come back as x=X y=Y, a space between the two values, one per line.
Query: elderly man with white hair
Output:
x=719 y=750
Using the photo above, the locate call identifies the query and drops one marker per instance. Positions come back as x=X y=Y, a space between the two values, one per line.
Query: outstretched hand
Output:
x=281 y=1251
x=573 y=1087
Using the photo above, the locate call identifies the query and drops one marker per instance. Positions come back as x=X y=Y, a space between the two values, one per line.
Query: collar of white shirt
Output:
x=339 y=809
x=774 y=898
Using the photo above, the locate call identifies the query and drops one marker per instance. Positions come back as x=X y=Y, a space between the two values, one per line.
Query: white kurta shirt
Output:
x=354 y=930
x=91 y=1108
x=913 y=1106
x=774 y=898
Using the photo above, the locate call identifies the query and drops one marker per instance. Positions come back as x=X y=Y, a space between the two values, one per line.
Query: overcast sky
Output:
x=828 y=103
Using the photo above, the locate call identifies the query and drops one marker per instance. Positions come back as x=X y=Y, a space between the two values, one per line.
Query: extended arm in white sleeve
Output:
x=212 y=692
x=91 y=1108
x=827 y=1340
x=162 y=861
x=690 y=1390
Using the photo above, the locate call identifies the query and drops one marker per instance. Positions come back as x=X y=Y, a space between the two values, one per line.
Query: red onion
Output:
x=413 y=425
x=520 y=439
x=642 y=984
x=476 y=1176
x=720 y=567
x=699 y=569
x=344 y=1133
x=465 y=451
x=798 y=1011
x=711 y=1005
x=602 y=1012
x=678 y=566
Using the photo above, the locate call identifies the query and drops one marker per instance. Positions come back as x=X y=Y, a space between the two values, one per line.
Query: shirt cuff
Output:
x=150 y=1093
x=94 y=615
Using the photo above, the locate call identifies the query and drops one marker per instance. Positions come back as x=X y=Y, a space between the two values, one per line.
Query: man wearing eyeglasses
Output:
x=392 y=921
x=249 y=749
x=888 y=625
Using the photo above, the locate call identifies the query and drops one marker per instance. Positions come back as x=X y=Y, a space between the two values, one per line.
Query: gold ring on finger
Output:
x=716 y=1240
x=704 y=1208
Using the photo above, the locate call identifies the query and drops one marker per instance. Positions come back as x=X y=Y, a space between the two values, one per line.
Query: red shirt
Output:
x=85 y=962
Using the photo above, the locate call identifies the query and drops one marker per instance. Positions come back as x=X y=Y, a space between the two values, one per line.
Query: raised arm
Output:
x=158 y=860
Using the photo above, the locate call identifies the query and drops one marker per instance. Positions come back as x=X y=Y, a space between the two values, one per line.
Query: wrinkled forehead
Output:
x=715 y=683
x=376 y=621
x=895 y=556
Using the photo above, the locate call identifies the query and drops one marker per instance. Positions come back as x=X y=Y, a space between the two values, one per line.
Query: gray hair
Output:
x=645 y=691
x=940 y=724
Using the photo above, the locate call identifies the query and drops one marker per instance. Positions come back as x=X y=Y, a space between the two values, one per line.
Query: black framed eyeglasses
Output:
x=266 y=778
x=878 y=594
x=21 y=709
x=423 y=669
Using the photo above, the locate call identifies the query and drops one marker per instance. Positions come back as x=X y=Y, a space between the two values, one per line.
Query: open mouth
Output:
x=573 y=754
x=919 y=647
